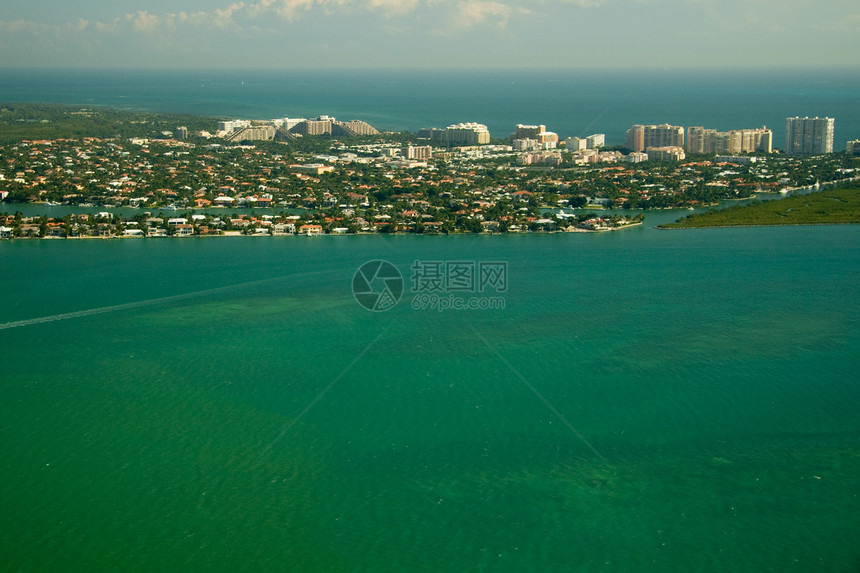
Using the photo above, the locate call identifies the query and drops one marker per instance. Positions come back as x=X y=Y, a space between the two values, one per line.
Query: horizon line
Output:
x=471 y=69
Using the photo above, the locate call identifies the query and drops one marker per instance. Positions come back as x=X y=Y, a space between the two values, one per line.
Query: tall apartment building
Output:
x=853 y=147
x=287 y=122
x=467 y=134
x=353 y=127
x=418 y=152
x=701 y=140
x=575 y=143
x=326 y=125
x=431 y=133
x=313 y=127
x=809 y=136
x=527 y=131
x=536 y=132
x=233 y=125
x=252 y=133
x=595 y=140
x=641 y=137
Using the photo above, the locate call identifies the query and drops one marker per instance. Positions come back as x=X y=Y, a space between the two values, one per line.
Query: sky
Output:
x=284 y=34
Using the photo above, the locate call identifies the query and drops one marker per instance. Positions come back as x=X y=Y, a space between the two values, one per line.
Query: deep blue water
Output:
x=569 y=102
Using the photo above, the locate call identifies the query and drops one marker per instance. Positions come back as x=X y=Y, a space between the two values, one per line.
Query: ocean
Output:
x=569 y=102
x=643 y=400
x=640 y=400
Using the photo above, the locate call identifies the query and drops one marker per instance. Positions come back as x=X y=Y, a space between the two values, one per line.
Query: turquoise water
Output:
x=646 y=401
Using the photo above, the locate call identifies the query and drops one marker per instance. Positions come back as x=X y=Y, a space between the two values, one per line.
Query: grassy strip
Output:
x=840 y=205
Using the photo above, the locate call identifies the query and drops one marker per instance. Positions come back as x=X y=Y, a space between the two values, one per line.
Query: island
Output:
x=839 y=205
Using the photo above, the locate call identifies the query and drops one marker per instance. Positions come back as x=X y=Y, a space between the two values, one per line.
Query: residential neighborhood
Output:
x=176 y=185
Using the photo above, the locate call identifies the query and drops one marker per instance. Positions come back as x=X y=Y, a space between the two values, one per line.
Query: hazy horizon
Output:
x=429 y=34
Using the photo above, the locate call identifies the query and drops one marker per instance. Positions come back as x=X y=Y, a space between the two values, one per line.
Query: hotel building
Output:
x=641 y=137
x=326 y=125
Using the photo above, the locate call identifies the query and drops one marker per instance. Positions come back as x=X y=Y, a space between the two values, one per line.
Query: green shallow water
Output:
x=250 y=415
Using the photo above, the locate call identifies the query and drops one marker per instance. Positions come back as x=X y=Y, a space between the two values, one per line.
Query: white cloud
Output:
x=291 y=9
x=473 y=12
x=848 y=23
x=223 y=18
x=260 y=8
x=374 y=30
x=584 y=3
x=143 y=21
x=393 y=7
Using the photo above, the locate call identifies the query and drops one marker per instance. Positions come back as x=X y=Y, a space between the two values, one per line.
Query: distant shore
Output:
x=834 y=206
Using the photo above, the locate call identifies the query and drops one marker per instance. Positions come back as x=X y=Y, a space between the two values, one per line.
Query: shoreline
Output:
x=660 y=228
x=271 y=235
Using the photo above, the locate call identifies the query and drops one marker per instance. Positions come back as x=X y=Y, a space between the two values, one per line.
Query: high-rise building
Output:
x=701 y=140
x=419 y=152
x=252 y=133
x=467 y=134
x=431 y=133
x=853 y=147
x=313 y=127
x=641 y=137
x=575 y=143
x=287 y=123
x=595 y=140
x=809 y=136
x=233 y=125
x=327 y=125
x=528 y=131
x=353 y=127
x=536 y=132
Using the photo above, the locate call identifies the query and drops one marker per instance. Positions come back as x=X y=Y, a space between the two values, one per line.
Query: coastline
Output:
x=271 y=235
x=662 y=228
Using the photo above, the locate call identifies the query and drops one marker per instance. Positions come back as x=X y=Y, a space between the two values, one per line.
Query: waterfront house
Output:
x=183 y=230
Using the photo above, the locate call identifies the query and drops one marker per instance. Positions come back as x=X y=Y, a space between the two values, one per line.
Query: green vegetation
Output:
x=26 y=121
x=62 y=155
x=838 y=205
